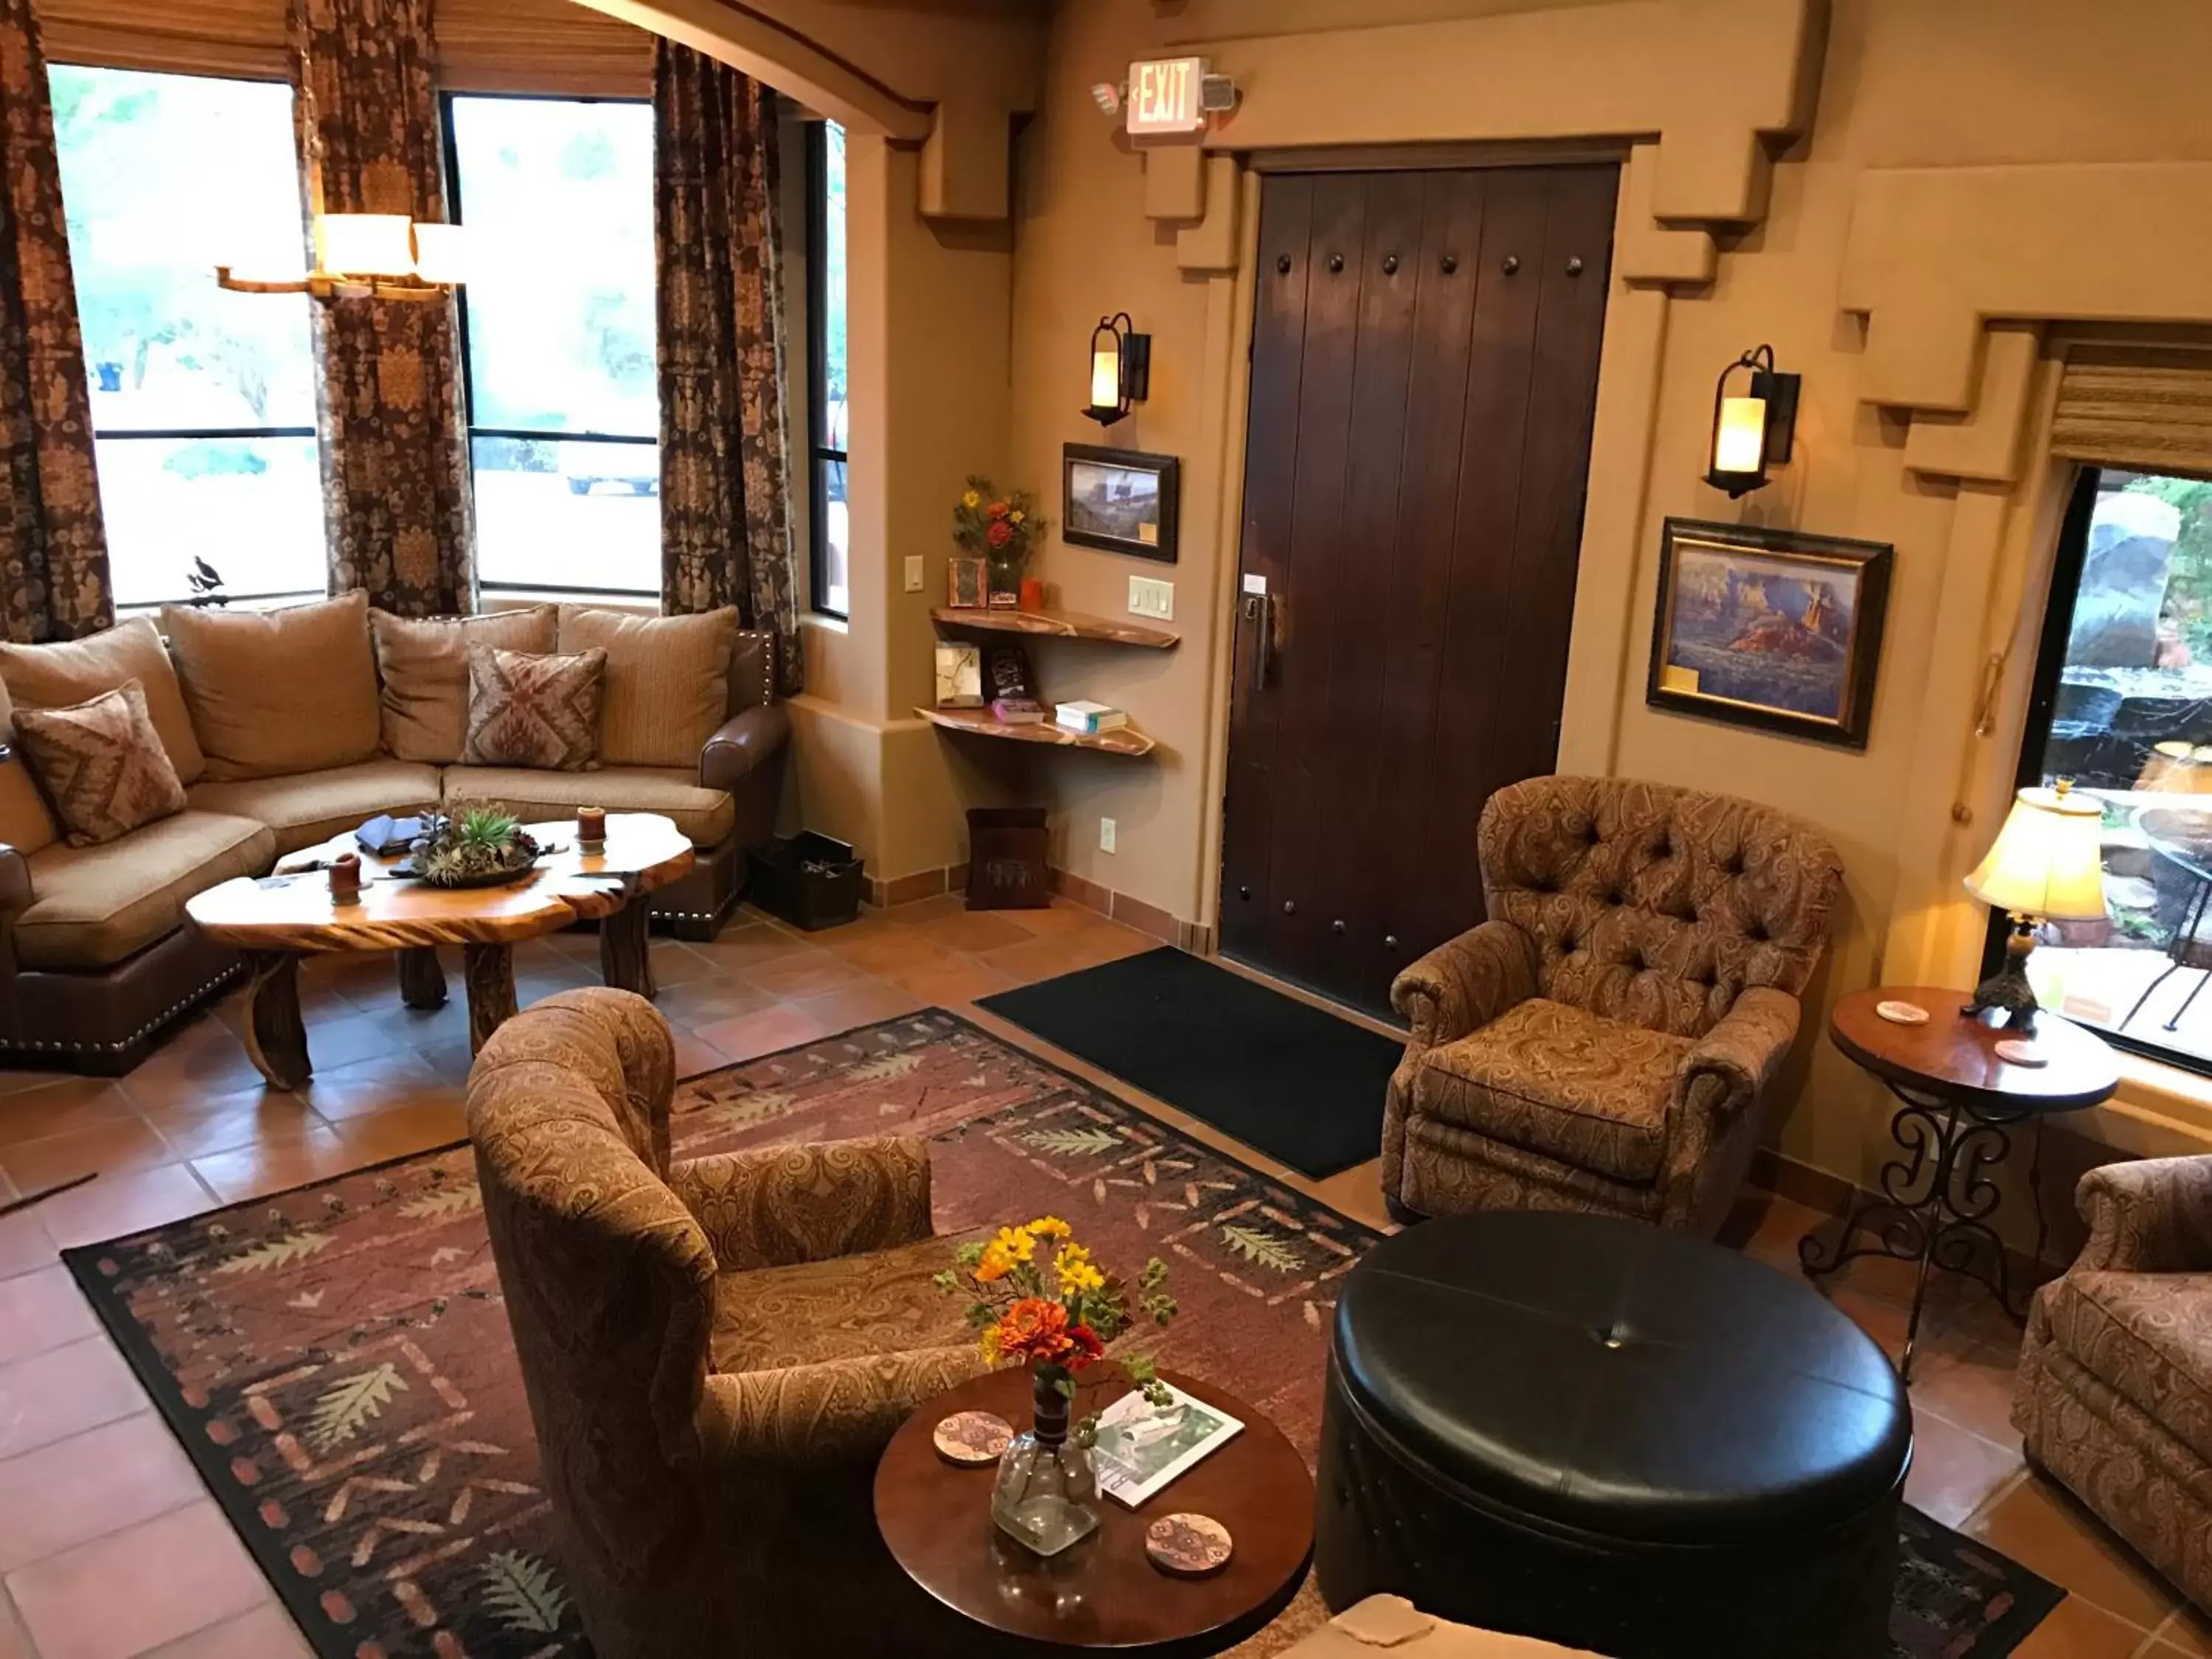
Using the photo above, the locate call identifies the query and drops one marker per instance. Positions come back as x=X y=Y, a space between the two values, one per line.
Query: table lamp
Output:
x=2048 y=864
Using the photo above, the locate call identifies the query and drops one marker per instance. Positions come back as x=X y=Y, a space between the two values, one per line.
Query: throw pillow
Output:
x=534 y=710
x=65 y=673
x=273 y=692
x=422 y=664
x=668 y=680
x=26 y=822
x=102 y=764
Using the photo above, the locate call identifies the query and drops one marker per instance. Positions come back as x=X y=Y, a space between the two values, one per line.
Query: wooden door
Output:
x=1424 y=371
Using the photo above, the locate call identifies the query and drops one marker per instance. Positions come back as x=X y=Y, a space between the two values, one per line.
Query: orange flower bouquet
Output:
x=1037 y=1298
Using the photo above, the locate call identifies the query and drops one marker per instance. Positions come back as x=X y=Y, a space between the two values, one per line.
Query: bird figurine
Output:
x=206 y=583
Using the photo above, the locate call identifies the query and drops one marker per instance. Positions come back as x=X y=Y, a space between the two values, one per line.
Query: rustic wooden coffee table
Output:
x=276 y=919
x=1101 y=1593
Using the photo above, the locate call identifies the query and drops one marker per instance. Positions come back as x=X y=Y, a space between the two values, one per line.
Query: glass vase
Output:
x=1045 y=1486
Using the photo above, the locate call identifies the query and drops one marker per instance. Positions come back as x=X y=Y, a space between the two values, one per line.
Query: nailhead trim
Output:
x=32 y=1045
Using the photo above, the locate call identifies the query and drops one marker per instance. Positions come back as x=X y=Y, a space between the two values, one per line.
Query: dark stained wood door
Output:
x=1424 y=374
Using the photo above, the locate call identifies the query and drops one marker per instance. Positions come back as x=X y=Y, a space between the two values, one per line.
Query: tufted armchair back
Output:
x=1653 y=905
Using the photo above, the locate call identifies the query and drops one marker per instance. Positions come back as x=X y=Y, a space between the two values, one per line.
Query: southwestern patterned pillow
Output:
x=526 y=709
x=102 y=764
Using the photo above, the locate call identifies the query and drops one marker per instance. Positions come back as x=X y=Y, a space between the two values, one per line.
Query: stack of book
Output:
x=1088 y=718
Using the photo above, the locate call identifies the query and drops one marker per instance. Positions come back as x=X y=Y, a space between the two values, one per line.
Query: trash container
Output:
x=809 y=880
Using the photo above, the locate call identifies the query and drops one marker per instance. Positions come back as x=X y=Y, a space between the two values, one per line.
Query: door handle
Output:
x=1258 y=614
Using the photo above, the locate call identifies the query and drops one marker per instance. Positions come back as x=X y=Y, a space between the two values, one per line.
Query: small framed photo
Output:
x=968 y=583
x=1119 y=500
x=1771 y=629
x=959 y=676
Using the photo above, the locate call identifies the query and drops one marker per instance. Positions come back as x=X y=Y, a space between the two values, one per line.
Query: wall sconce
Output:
x=1120 y=367
x=379 y=256
x=1755 y=430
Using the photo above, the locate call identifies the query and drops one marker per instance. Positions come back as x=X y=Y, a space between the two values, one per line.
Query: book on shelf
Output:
x=1089 y=717
x=1017 y=711
x=1142 y=1447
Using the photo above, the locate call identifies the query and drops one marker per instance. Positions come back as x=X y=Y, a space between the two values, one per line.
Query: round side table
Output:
x=1101 y=1592
x=1958 y=1102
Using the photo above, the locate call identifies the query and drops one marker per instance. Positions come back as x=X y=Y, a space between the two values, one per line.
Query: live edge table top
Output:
x=644 y=852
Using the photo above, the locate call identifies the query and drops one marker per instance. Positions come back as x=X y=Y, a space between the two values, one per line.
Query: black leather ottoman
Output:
x=1587 y=1430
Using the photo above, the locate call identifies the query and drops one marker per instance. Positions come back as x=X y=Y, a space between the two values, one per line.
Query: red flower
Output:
x=998 y=509
x=999 y=534
x=1033 y=1328
x=1086 y=1347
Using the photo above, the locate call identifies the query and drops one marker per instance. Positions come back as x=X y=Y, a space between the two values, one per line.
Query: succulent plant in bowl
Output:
x=473 y=846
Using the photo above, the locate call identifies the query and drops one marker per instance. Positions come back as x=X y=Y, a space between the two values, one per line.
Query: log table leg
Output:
x=490 y=971
x=421 y=981
x=626 y=948
x=276 y=1037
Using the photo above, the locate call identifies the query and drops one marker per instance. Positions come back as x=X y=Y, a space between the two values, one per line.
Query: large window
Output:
x=2123 y=706
x=202 y=401
x=825 y=328
x=558 y=315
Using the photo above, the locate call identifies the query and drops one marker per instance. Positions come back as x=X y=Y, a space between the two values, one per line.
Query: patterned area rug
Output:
x=337 y=1360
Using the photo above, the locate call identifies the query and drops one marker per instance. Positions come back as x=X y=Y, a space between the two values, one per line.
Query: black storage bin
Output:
x=1006 y=866
x=807 y=879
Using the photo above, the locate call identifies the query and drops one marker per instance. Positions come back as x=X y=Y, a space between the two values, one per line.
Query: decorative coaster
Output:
x=1902 y=1013
x=2016 y=1051
x=1188 y=1546
x=972 y=1439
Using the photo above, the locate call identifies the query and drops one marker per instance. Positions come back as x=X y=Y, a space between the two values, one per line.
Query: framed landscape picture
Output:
x=1769 y=627
x=1119 y=500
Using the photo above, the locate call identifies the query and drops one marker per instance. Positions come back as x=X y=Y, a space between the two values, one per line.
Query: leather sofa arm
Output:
x=15 y=883
x=780 y=1206
x=2150 y=1215
x=741 y=744
x=1465 y=982
x=837 y=1413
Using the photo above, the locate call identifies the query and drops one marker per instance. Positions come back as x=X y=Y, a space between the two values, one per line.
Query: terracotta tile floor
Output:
x=93 y=1493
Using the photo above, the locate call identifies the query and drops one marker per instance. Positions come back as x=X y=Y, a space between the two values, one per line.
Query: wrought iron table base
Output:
x=1936 y=1204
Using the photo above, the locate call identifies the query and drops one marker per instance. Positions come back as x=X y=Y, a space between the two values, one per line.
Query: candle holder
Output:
x=345 y=880
x=591 y=827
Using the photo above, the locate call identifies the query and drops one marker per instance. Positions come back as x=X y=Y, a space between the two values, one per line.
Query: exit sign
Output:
x=1164 y=96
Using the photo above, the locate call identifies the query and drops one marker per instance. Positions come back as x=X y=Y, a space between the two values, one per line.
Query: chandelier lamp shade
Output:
x=1121 y=368
x=376 y=256
x=1754 y=426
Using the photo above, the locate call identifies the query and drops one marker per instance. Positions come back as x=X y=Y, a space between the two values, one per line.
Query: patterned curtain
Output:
x=53 y=545
x=394 y=449
x=725 y=455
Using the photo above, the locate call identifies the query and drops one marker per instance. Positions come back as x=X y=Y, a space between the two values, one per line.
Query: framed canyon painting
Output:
x=1771 y=629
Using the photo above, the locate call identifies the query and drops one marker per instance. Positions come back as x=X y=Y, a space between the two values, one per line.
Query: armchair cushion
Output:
x=1549 y=1078
x=785 y=1204
x=2147 y=1336
x=844 y=1308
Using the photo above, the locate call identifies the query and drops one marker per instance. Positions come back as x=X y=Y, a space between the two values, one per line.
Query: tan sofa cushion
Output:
x=422 y=672
x=668 y=680
x=69 y=671
x=309 y=807
x=101 y=764
x=1551 y=1079
x=26 y=823
x=93 y=906
x=707 y=816
x=278 y=692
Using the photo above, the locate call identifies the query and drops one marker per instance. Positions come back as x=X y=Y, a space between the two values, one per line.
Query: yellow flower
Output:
x=987 y=1345
x=1048 y=1226
x=1071 y=1253
x=1015 y=1242
x=972 y=500
x=1076 y=1277
x=1017 y=515
x=996 y=1264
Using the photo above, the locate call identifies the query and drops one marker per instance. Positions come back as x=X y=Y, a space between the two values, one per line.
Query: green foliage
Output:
x=523 y=1591
x=472 y=841
x=2189 y=580
x=350 y=1404
x=1259 y=1246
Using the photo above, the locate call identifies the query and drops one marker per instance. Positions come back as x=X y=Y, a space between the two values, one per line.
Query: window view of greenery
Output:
x=2131 y=722
x=563 y=414
x=832 y=525
x=202 y=401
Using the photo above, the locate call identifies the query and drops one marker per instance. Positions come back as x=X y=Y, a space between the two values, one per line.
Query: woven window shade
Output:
x=553 y=47
x=2136 y=406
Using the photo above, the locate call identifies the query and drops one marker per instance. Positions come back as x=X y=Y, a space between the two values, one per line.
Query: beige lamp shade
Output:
x=1740 y=438
x=441 y=252
x=367 y=243
x=2049 y=858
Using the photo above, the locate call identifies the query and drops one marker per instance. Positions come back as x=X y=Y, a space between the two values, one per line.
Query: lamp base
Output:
x=2007 y=991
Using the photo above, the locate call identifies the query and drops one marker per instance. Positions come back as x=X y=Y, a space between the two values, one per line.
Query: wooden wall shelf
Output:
x=1123 y=740
x=1059 y=625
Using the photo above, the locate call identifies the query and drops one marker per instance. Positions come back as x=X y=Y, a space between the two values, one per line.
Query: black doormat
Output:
x=1957 y=1599
x=1303 y=1086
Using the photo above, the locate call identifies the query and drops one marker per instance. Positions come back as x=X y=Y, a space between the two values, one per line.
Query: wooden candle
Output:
x=345 y=880
x=591 y=825
x=1032 y=593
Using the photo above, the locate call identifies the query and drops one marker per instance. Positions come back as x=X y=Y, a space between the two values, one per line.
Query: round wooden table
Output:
x=276 y=919
x=1958 y=1100
x=1102 y=1592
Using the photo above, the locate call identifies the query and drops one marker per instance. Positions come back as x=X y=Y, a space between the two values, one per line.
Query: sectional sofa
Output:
x=288 y=727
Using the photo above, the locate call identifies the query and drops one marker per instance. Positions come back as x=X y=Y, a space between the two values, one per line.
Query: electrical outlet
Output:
x=913 y=573
x=1150 y=597
x=1105 y=835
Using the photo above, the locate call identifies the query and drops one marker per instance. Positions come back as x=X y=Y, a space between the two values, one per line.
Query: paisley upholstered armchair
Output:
x=1604 y=1040
x=715 y=1350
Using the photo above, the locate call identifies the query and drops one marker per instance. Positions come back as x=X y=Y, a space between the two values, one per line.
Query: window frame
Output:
x=212 y=434
x=821 y=455
x=449 y=142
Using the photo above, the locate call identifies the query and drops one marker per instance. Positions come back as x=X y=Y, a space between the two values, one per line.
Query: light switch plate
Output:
x=1105 y=835
x=1149 y=597
x=913 y=573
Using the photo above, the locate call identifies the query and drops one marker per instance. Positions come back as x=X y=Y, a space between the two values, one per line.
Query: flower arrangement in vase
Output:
x=1000 y=529
x=1037 y=1298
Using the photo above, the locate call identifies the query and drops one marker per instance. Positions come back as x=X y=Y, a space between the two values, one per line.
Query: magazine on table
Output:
x=1142 y=1448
